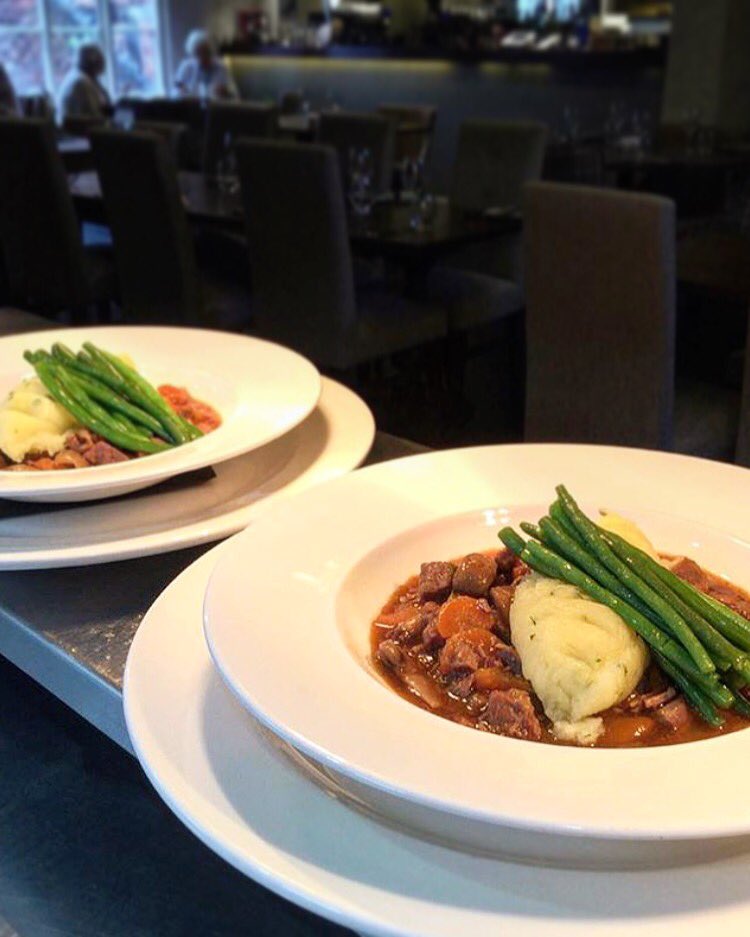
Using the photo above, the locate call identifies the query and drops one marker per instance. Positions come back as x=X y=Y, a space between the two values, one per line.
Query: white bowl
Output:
x=288 y=614
x=261 y=390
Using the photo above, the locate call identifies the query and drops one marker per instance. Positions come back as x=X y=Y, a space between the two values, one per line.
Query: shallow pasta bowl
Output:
x=261 y=390
x=287 y=618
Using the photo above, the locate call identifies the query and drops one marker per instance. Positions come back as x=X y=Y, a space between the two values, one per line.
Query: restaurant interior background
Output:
x=615 y=82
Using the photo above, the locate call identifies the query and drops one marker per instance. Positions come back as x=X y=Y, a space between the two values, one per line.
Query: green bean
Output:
x=98 y=368
x=150 y=398
x=117 y=437
x=741 y=704
x=693 y=695
x=558 y=515
x=598 y=545
x=725 y=620
x=512 y=540
x=78 y=393
x=557 y=539
x=127 y=393
x=113 y=401
x=142 y=386
x=726 y=654
x=532 y=530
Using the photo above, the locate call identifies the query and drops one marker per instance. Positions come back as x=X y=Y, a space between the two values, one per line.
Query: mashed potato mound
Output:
x=628 y=531
x=32 y=423
x=580 y=657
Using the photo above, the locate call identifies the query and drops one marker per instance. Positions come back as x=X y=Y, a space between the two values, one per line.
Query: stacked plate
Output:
x=283 y=429
x=254 y=705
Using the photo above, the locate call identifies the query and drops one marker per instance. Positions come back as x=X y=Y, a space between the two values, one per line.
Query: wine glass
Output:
x=226 y=167
x=415 y=178
x=361 y=181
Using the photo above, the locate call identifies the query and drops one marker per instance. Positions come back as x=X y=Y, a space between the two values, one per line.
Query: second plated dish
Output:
x=257 y=391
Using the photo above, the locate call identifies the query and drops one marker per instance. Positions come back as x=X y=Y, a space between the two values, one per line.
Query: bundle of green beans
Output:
x=702 y=645
x=107 y=396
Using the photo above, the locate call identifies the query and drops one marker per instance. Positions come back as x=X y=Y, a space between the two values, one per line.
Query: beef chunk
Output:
x=475 y=574
x=674 y=714
x=504 y=561
x=391 y=655
x=506 y=656
x=731 y=597
x=81 y=441
x=411 y=630
x=462 y=687
x=102 y=453
x=435 y=581
x=432 y=640
x=511 y=712
x=691 y=572
x=467 y=651
x=501 y=598
x=648 y=702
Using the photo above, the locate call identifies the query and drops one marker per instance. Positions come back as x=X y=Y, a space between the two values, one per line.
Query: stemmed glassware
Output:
x=361 y=181
x=415 y=183
x=227 y=176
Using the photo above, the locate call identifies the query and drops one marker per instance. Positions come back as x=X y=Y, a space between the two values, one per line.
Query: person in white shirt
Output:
x=8 y=99
x=202 y=74
x=82 y=93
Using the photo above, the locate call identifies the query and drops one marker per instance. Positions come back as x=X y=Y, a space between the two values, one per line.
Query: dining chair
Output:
x=229 y=121
x=600 y=327
x=346 y=131
x=291 y=102
x=154 y=249
x=174 y=134
x=482 y=282
x=298 y=239
x=494 y=160
x=46 y=266
x=188 y=112
x=415 y=129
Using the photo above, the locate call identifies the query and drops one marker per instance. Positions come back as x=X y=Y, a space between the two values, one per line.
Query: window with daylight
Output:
x=39 y=40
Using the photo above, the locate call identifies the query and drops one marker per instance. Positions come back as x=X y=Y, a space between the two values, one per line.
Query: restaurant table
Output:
x=699 y=183
x=388 y=233
x=86 y=847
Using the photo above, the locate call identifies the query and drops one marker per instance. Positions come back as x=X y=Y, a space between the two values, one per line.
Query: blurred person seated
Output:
x=202 y=74
x=8 y=99
x=82 y=94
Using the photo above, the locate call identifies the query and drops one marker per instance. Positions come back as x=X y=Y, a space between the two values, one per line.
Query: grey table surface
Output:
x=86 y=848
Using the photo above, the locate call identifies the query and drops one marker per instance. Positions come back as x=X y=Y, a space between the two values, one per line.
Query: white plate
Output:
x=245 y=800
x=546 y=803
x=261 y=390
x=334 y=439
